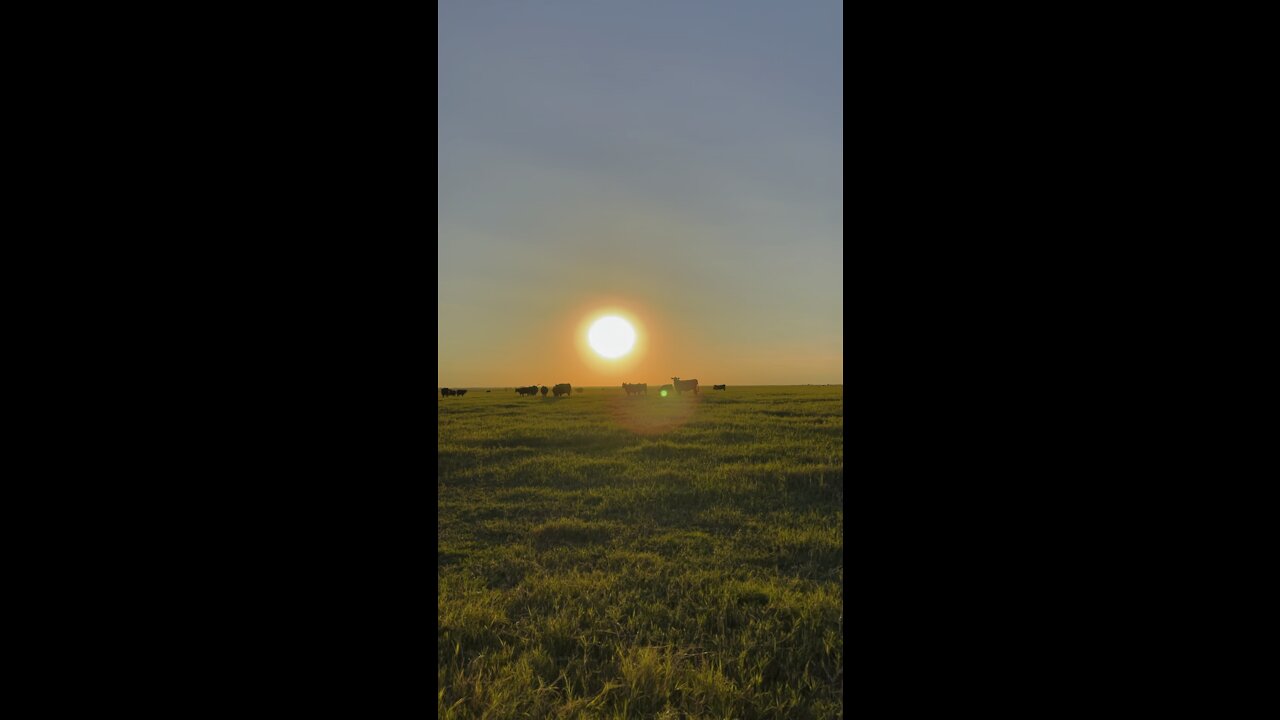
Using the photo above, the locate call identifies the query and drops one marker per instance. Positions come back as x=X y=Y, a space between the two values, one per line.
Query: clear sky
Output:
x=678 y=161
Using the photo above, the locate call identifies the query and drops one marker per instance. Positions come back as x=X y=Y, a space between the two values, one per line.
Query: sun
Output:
x=611 y=337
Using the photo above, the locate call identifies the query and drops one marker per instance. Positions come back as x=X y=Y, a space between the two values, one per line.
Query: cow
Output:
x=682 y=385
x=544 y=391
x=717 y=387
x=446 y=392
x=635 y=388
x=562 y=389
x=531 y=390
x=460 y=393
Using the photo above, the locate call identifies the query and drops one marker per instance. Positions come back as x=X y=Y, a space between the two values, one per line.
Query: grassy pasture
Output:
x=605 y=556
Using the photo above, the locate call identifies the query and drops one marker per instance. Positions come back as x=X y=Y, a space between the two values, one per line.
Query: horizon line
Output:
x=700 y=384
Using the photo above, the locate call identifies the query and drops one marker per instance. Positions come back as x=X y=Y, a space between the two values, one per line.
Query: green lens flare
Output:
x=664 y=393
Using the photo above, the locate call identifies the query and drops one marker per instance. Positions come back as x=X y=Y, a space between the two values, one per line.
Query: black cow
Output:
x=635 y=388
x=562 y=389
x=460 y=393
x=717 y=387
x=531 y=390
x=682 y=385
x=544 y=391
x=446 y=392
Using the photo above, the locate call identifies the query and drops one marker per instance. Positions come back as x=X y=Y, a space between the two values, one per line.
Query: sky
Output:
x=680 y=163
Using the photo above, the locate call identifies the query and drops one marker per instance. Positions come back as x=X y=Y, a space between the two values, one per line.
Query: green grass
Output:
x=605 y=556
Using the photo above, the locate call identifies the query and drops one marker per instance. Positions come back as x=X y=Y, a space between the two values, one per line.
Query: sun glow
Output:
x=611 y=337
x=612 y=340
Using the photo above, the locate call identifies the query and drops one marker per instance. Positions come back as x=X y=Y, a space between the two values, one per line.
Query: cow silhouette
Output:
x=682 y=385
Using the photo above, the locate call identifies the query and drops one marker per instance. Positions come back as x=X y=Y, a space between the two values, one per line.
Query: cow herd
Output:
x=558 y=390
x=677 y=385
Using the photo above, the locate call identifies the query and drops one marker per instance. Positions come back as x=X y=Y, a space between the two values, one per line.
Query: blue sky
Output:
x=681 y=159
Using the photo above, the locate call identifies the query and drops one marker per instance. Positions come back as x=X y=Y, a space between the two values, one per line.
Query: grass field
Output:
x=605 y=556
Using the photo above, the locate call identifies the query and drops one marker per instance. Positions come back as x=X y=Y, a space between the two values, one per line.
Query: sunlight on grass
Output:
x=622 y=557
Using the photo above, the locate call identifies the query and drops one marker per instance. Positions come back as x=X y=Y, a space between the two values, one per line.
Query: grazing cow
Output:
x=562 y=389
x=446 y=392
x=635 y=388
x=682 y=385
x=460 y=393
x=531 y=390
x=717 y=387
x=665 y=389
x=544 y=391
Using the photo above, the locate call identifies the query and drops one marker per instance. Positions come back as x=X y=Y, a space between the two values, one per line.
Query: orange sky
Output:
x=552 y=349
